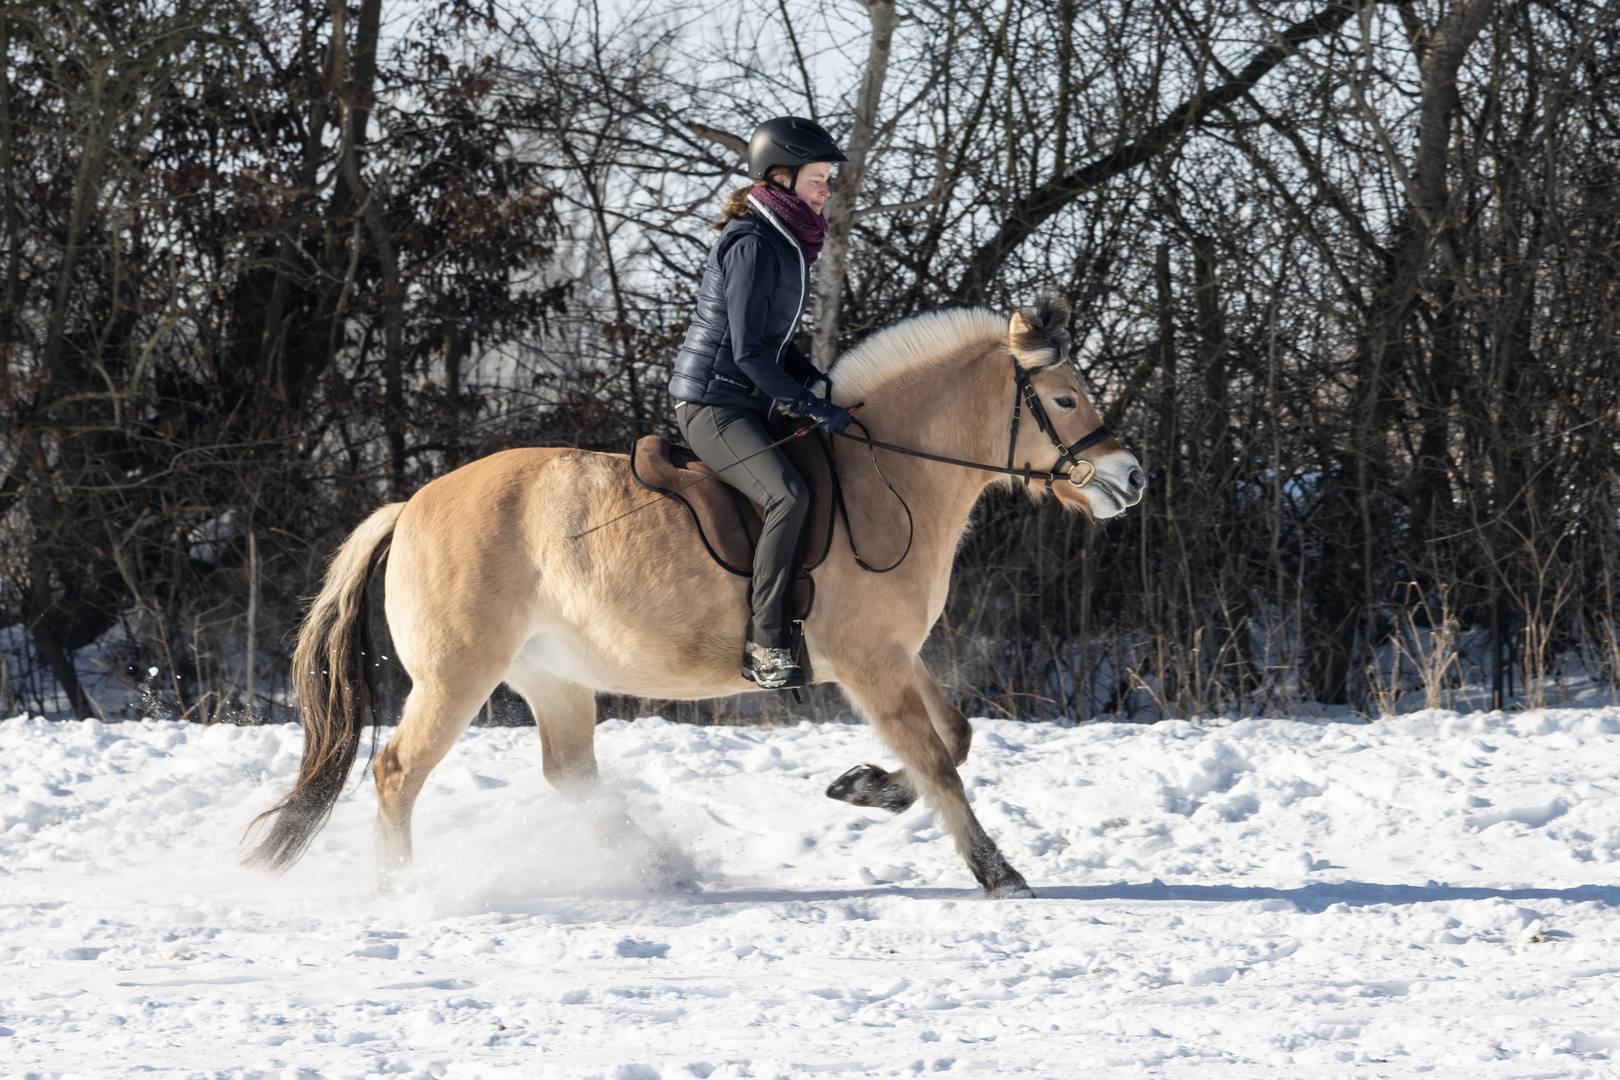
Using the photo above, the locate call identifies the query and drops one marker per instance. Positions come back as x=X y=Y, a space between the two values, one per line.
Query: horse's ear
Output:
x=1038 y=336
x=1023 y=322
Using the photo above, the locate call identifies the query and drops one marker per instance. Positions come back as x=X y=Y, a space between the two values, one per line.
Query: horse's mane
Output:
x=912 y=347
x=915 y=346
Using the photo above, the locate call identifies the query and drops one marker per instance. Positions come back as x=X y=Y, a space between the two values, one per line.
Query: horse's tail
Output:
x=334 y=675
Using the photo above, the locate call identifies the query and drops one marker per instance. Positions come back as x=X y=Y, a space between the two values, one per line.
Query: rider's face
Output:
x=813 y=184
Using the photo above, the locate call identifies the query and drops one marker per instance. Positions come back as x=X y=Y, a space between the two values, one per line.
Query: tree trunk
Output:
x=250 y=690
x=356 y=93
x=8 y=208
x=1428 y=228
x=841 y=208
x=37 y=616
x=272 y=339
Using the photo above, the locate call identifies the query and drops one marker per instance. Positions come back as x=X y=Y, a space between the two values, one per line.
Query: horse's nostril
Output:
x=1136 y=480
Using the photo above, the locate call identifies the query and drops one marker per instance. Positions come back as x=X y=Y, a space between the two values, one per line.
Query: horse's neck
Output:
x=963 y=413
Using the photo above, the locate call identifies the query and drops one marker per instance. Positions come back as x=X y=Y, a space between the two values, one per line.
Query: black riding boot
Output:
x=772 y=669
x=733 y=441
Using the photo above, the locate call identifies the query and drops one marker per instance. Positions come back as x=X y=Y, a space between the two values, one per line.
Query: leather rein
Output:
x=1023 y=394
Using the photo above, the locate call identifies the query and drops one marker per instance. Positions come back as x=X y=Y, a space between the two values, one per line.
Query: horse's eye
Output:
x=1065 y=402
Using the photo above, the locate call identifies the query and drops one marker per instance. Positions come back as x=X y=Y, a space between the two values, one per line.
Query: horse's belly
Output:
x=548 y=654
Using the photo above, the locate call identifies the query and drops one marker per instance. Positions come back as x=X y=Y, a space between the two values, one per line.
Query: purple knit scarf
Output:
x=808 y=226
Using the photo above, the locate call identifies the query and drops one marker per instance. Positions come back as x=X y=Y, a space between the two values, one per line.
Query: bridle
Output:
x=1068 y=454
x=1023 y=394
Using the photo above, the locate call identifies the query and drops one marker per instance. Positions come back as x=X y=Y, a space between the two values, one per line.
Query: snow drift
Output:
x=1438 y=893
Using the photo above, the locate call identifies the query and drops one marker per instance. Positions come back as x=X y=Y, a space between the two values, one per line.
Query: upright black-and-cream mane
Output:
x=1038 y=337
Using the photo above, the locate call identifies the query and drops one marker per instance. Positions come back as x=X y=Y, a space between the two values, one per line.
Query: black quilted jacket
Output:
x=739 y=348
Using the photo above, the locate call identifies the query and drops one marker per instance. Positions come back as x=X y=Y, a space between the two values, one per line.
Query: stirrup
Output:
x=771 y=669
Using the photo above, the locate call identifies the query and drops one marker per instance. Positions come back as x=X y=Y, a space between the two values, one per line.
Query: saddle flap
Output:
x=728 y=522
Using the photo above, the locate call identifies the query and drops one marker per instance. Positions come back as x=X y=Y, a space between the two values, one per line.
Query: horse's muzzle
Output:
x=1135 y=485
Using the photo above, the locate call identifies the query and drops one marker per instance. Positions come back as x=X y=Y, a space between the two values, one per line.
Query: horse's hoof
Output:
x=660 y=875
x=868 y=785
x=995 y=873
x=1011 y=890
x=850 y=786
x=395 y=884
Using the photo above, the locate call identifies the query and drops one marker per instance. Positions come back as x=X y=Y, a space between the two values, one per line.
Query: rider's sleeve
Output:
x=750 y=281
x=800 y=366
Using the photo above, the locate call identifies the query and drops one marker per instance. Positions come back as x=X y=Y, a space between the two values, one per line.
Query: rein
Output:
x=1023 y=393
x=838 y=497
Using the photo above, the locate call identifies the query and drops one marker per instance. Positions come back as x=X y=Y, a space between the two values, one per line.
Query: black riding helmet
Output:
x=791 y=142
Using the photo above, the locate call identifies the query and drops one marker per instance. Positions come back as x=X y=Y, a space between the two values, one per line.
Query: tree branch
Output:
x=715 y=135
x=1029 y=212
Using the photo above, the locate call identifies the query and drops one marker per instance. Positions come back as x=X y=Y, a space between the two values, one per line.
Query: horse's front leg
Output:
x=874 y=786
x=884 y=686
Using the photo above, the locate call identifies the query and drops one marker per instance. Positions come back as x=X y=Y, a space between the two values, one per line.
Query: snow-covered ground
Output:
x=1436 y=894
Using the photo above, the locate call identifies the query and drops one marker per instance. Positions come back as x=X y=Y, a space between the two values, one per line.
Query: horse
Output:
x=513 y=569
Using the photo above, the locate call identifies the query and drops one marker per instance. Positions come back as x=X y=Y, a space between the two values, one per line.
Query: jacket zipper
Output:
x=804 y=273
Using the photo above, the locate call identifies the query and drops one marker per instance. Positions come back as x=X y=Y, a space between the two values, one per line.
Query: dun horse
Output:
x=489 y=580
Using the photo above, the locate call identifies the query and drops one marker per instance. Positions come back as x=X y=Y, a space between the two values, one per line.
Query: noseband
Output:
x=1068 y=453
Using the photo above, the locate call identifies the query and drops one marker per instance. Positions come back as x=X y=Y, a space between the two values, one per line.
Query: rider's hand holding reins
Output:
x=835 y=418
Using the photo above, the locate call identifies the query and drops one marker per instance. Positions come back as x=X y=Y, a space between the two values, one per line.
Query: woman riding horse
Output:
x=739 y=370
x=503 y=571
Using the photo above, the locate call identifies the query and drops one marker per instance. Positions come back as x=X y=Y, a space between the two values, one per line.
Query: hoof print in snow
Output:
x=637 y=949
x=868 y=785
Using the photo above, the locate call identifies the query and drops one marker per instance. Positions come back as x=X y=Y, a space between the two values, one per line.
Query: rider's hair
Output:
x=737 y=202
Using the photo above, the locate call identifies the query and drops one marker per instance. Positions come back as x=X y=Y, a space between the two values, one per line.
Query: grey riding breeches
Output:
x=731 y=440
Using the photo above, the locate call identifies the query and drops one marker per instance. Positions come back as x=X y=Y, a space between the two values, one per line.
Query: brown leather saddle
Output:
x=728 y=522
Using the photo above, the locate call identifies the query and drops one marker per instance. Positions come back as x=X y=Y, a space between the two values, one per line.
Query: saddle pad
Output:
x=728 y=522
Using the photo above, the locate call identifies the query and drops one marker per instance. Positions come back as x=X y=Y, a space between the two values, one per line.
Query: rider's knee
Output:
x=793 y=496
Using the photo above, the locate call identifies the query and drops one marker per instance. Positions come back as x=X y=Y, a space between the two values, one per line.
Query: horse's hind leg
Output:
x=872 y=785
x=435 y=715
x=885 y=687
x=565 y=714
x=950 y=725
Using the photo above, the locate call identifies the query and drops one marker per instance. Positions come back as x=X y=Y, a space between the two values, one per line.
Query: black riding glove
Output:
x=834 y=418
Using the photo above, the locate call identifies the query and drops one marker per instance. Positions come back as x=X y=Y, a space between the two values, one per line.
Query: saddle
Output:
x=728 y=522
